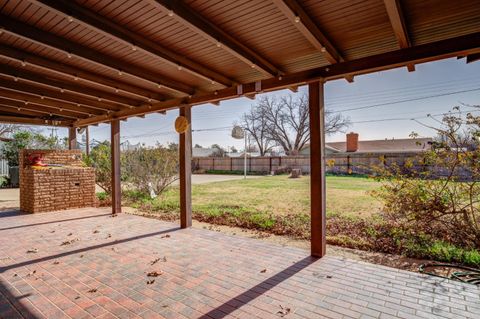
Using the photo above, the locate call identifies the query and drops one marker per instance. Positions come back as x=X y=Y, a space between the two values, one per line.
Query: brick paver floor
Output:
x=82 y=264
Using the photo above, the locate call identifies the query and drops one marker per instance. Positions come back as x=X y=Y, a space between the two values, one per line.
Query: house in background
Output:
x=203 y=151
x=352 y=144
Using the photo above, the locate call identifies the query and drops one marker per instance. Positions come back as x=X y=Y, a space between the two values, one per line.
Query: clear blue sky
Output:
x=381 y=96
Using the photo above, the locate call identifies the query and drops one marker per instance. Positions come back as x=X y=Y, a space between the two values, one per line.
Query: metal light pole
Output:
x=245 y=157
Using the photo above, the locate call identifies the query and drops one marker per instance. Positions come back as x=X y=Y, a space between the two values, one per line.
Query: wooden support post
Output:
x=185 y=151
x=87 y=141
x=317 y=167
x=72 y=138
x=115 y=158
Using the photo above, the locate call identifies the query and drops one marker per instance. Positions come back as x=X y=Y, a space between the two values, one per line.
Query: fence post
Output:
x=213 y=163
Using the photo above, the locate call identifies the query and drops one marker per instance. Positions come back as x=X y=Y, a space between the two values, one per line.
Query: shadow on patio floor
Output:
x=251 y=294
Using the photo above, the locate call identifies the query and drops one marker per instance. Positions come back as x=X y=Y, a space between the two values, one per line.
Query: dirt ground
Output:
x=394 y=261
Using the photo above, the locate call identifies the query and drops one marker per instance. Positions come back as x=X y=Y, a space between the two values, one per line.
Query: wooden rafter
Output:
x=397 y=20
x=463 y=45
x=217 y=35
x=32 y=121
x=109 y=28
x=71 y=48
x=62 y=84
x=59 y=95
x=19 y=107
x=64 y=69
x=33 y=99
x=309 y=29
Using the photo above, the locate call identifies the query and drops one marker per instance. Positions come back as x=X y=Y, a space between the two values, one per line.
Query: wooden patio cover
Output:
x=84 y=62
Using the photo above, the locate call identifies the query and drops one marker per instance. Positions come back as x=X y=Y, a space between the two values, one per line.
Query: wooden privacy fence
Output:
x=343 y=163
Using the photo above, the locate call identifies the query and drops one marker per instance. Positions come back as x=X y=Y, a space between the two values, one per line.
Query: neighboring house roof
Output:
x=202 y=152
x=387 y=145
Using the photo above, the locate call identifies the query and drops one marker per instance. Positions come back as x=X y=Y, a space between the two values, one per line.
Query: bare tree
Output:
x=285 y=122
x=255 y=123
x=7 y=129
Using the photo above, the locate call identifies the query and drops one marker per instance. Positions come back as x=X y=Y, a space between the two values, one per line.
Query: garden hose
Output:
x=462 y=273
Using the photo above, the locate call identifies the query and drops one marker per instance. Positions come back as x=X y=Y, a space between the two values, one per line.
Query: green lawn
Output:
x=280 y=205
x=271 y=196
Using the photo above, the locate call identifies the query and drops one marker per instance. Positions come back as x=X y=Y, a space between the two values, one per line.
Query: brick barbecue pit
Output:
x=66 y=184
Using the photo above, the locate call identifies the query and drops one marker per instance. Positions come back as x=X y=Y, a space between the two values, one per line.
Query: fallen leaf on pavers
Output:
x=32 y=251
x=15 y=275
x=165 y=236
x=154 y=274
x=68 y=242
x=283 y=311
x=93 y=290
x=156 y=260
x=149 y=282
x=113 y=215
x=328 y=276
x=77 y=297
x=70 y=234
x=263 y=270
x=96 y=231
x=31 y=273
x=56 y=262
x=81 y=256
x=52 y=231
x=109 y=235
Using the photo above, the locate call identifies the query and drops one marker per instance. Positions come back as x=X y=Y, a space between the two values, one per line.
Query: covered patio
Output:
x=84 y=263
x=79 y=63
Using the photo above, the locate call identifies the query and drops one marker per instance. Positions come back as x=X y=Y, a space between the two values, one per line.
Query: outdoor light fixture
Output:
x=179 y=68
x=134 y=48
x=297 y=19
x=116 y=90
x=219 y=44
x=75 y=78
x=24 y=63
x=70 y=19
x=62 y=90
x=15 y=79
x=120 y=72
x=323 y=49
x=69 y=55
x=170 y=13
x=159 y=86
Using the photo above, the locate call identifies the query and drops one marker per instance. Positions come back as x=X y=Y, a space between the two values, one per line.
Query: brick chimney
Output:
x=352 y=142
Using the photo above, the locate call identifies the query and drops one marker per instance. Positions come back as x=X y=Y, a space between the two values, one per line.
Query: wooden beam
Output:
x=217 y=35
x=62 y=84
x=453 y=47
x=115 y=159
x=473 y=57
x=130 y=38
x=185 y=152
x=68 y=47
x=32 y=121
x=318 y=196
x=28 y=99
x=309 y=29
x=64 y=69
x=397 y=20
x=72 y=138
